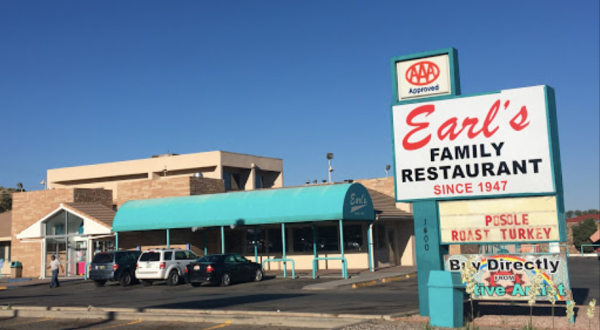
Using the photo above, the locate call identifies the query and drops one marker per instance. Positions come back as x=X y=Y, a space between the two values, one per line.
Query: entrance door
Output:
x=57 y=248
x=391 y=244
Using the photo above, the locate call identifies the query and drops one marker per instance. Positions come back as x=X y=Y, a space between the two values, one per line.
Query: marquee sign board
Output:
x=509 y=277
x=423 y=77
x=506 y=220
x=496 y=144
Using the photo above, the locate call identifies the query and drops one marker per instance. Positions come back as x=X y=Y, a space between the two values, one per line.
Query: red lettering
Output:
x=436 y=189
x=454 y=236
x=424 y=109
x=462 y=235
x=547 y=231
x=469 y=187
x=488 y=219
x=520 y=120
x=449 y=126
x=530 y=233
x=489 y=118
x=538 y=233
x=487 y=231
x=471 y=122
x=478 y=234
x=525 y=218
x=521 y=233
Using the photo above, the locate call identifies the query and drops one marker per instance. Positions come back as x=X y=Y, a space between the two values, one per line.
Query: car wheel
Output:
x=225 y=279
x=125 y=279
x=99 y=284
x=258 y=276
x=146 y=282
x=195 y=285
x=173 y=278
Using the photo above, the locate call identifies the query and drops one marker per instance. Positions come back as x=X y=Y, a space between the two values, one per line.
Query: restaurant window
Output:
x=261 y=240
x=303 y=239
x=353 y=238
x=327 y=238
x=274 y=240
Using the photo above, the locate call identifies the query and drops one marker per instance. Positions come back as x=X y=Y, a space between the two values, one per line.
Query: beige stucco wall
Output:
x=210 y=164
x=355 y=261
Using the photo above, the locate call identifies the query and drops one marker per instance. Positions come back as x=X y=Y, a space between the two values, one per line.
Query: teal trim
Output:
x=430 y=252
x=222 y=239
x=369 y=246
x=476 y=197
x=284 y=260
x=255 y=245
x=553 y=138
x=314 y=232
x=116 y=241
x=168 y=239
x=453 y=67
x=283 y=248
x=582 y=245
x=342 y=259
x=342 y=239
x=445 y=289
x=205 y=241
x=248 y=208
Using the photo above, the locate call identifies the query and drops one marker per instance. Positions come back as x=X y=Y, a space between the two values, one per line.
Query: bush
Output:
x=582 y=233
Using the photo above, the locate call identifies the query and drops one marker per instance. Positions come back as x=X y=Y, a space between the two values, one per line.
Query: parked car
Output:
x=163 y=264
x=223 y=269
x=598 y=253
x=113 y=266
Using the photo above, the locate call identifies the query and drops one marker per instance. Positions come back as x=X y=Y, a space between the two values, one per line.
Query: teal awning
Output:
x=259 y=207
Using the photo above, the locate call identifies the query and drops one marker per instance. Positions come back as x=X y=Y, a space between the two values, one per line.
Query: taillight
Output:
x=115 y=267
x=162 y=265
x=209 y=269
x=185 y=270
x=89 y=267
x=137 y=265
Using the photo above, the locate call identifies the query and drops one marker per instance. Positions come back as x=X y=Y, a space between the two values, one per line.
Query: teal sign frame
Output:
x=429 y=250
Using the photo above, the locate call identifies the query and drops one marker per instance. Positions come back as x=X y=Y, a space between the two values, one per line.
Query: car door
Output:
x=244 y=266
x=181 y=260
x=232 y=267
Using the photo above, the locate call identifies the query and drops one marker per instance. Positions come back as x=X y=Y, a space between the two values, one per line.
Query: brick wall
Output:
x=168 y=187
x=30 y=207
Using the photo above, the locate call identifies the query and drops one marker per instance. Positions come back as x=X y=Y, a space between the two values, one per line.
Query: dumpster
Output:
x=16 y=269
x=446 y=298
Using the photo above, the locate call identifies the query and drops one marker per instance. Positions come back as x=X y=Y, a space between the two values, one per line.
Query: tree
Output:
x=569 y=214
x=6 y=198
x=582 y=233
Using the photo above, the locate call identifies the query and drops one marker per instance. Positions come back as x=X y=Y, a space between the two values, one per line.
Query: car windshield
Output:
x=214 y=259
x=150 y=256
x=102 y=258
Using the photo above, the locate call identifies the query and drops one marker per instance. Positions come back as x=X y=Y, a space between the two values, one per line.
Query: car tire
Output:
x=99 y=284
x=126 y=279
x=259 y=275
x=146 y=282
x=173 y=278
x=225 y=279
x=195 y=285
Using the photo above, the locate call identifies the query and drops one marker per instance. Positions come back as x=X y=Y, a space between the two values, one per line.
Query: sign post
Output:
x=478 y=169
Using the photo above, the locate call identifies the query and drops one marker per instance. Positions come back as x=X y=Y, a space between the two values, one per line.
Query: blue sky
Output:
x=84 y=82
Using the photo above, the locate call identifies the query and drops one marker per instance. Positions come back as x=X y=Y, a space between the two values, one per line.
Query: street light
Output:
x=387 y=168
x=329 y=158
x=20 y=186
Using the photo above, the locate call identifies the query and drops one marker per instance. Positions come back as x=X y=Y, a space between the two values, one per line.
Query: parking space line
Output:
x=226 y=324
x=36 y=321
x=120 y=325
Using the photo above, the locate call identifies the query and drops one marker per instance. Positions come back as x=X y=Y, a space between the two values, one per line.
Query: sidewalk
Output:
x=365 y=278
x=9 y=283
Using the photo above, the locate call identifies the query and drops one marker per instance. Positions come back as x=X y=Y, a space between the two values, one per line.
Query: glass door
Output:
x=55 y=247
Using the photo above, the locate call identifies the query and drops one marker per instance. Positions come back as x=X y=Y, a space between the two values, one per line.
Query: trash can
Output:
x=446 y=298
x=16 y=269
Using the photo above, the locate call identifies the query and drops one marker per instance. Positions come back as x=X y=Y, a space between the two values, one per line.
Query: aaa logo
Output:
x=422 y=73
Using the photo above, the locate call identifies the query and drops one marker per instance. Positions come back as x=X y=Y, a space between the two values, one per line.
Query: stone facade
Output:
x=30 y=207
x=168 y=187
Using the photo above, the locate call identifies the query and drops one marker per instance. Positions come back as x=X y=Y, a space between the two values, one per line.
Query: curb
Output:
x=285 y=319
x=383 y=280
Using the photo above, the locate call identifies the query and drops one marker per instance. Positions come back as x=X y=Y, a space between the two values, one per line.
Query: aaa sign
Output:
x=530 y=219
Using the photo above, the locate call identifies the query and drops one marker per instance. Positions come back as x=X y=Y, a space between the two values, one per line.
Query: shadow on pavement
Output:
x=227 y=302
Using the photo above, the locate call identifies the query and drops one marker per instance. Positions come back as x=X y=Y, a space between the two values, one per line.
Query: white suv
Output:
x=163 y=264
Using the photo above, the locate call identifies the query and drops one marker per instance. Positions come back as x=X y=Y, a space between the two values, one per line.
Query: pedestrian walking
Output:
x=55 y=265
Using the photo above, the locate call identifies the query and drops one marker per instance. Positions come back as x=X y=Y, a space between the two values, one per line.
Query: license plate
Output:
x=196 y=267
x=101 y=267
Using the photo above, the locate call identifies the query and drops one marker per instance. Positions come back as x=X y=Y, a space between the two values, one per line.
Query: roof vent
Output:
x=164 y=155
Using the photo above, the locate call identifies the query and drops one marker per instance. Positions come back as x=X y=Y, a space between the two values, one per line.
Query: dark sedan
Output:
x=223 y=269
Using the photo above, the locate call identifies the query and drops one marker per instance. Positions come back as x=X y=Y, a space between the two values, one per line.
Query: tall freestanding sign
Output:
x=478 y=169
